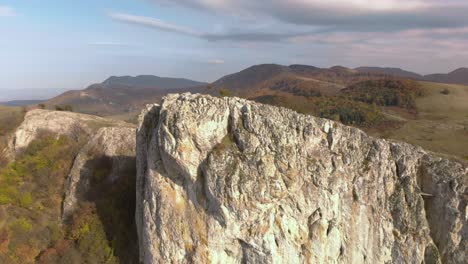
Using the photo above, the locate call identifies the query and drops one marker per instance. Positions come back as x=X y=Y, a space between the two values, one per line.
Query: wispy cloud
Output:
x=215 y=61
x=395 y=31
x=237 y=35
x=301 y=18
x=154 y=23
x=108 y=44
x=343 y=15
x=6 y=11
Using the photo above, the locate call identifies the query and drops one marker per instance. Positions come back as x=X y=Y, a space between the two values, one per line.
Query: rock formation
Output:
x=225 y=180
x=58 y=123
x=109 y=155
x=107 y=152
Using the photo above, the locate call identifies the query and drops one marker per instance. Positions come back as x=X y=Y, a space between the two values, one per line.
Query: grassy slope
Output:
x=441 y=124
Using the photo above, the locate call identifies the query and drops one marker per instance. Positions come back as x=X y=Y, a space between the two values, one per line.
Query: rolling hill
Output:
x=267 y=78
x=123 y=96
x=459 y=76
x=397 y=72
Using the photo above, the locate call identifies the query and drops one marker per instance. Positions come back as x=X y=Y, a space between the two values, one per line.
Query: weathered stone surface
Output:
x=59 y=123
x=232 y=181
x=111 y=152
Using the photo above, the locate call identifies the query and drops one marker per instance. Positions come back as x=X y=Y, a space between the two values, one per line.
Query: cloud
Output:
x=252 y=36
x=154 y=23
x=342 y=15
x=335 y=23
x=234 y=35
x=6 y=11
x=108 y=44
x=215 y=61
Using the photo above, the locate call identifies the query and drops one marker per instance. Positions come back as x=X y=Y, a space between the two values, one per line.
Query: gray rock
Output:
x=58 y=123
x=110 y=152
x=225 y=180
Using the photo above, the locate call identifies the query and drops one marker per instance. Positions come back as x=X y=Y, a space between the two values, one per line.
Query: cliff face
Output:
x=71 y=185
x=107 y=149
x=70 y=124
x=109 y=154
x=229 y=181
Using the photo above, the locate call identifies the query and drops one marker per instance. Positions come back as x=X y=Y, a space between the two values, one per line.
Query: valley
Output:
x=441 y=122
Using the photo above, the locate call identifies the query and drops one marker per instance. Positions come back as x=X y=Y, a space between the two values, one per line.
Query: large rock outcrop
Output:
x=225 y=180
x=71 y=124
x=107 y=149
x=109 y=154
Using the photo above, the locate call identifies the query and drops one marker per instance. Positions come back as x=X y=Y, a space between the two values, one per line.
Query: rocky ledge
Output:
x=226 y=180
x=58 y=123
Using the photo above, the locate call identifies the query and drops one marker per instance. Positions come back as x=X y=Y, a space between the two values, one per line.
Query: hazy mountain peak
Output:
x=340 y=68
x=458 y=76
x=151 y=81
x=460 y=71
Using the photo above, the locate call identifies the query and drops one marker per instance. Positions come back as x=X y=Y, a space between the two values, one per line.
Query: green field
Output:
x=441 y=123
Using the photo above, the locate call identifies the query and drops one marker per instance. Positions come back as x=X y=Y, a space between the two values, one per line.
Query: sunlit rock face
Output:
x=226 y=180
x=57 y=123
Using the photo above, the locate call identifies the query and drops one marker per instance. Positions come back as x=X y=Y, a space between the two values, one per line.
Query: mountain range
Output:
x=126 y=95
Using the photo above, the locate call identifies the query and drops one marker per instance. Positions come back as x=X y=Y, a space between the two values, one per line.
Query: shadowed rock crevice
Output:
x=445 y=204
x=114 y=200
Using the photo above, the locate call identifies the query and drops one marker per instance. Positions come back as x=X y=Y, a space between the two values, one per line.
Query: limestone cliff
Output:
x=225 y=180
x=79 y=189
x=59 y=123
x=107 y=149
x=109 y=154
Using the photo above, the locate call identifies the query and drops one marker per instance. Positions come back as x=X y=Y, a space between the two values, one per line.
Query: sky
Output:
x=47 y=46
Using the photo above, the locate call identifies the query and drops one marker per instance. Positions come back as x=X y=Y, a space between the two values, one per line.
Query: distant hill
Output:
x=296 y=79
x=459 y=76
x=151 y=81
x=251 y=77
x=21 y=102
x=391 y=71
x=121 y=95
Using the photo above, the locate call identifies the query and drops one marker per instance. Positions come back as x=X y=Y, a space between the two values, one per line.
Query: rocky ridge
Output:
x=225 y=180
x=58 y=123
